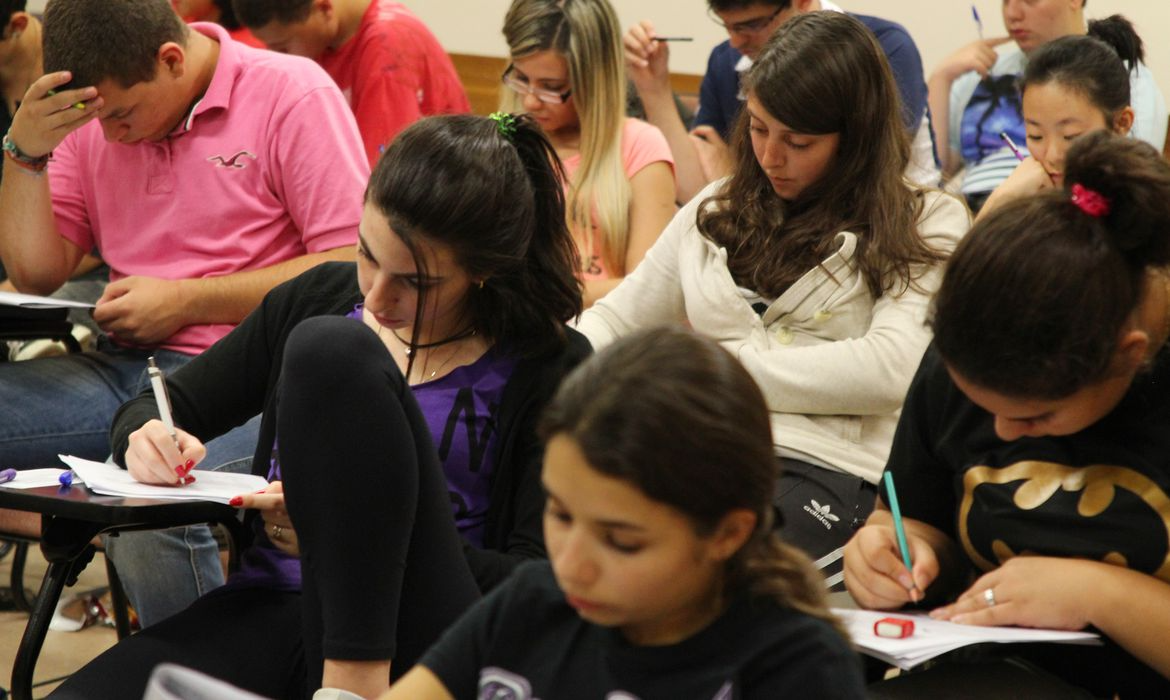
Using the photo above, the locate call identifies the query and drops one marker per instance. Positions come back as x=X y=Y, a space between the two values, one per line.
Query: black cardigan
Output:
x=236 y=378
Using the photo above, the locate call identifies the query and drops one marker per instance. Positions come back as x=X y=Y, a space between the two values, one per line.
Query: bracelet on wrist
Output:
x=22 y=159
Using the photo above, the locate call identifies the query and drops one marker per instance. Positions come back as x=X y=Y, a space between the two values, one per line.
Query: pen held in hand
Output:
x=673 y=38
x=899 y=528
x=75 y=105
x=162 y=399
x=1011 y=144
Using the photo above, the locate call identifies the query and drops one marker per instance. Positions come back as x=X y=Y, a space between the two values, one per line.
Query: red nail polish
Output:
x=190 y=464
x=180 y=471
x=188 y=480
x=236 y=501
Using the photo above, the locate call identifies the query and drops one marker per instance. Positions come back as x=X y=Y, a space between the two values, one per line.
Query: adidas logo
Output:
x=822 y=514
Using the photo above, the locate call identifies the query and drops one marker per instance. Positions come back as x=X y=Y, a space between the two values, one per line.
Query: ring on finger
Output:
x=277 y=532
x=989 y=597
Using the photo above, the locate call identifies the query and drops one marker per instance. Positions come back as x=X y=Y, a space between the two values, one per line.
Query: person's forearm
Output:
x=1133 y=609
x=228 y=299
x=662 y=112
x=36 y=258
x=939 y=98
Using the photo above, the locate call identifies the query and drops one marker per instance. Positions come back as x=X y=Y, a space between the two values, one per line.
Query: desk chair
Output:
x=18 y=323
x=20 y=529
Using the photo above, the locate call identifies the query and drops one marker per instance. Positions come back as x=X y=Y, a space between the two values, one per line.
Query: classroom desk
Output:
x=28 y=324
x=70 y=518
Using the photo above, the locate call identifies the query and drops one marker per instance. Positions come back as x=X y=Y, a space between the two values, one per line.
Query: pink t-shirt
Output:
x=267 y=167
x=642 y=144
x=394 y=71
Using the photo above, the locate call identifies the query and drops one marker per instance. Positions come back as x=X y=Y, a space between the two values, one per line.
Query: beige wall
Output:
x=938 y=26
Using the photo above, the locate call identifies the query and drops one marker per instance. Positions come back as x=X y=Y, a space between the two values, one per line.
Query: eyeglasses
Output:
x=521 y=86
x=751 y=26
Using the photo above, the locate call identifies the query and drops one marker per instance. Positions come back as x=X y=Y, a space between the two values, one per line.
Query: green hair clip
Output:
x=505 y=122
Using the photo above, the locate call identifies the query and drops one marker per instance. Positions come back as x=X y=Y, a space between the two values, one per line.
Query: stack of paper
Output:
x=934 y=637
x=112 y=480
x=29 y=301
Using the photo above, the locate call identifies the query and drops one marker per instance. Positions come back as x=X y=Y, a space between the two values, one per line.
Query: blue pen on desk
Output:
x=978 y=22
x=899 y=529
x=1011 y=144
x=66 y=477
x=7 y=475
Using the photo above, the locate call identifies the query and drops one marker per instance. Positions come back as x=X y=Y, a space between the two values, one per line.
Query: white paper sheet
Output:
x=29 y=301
x=934 y=637
x=34 y=478
x=111 y=480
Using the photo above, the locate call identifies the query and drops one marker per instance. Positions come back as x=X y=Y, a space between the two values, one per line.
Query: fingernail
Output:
x=236 y=501
x=190 y=464
x=180 y=470
x=906 y=581
x=188 y=480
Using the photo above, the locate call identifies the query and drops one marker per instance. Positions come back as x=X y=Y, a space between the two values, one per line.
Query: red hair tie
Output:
x=1092 y=203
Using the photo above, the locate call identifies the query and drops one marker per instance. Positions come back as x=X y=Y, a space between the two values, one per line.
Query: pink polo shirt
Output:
x=267 y=167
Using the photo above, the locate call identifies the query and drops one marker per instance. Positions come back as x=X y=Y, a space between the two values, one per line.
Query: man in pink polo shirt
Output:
x=205 y=171
x=390 y=67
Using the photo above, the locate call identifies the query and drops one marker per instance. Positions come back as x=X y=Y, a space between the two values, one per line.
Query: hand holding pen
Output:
x=159 y=452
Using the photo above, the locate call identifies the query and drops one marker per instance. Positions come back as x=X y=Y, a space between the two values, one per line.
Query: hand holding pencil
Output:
x=876 y=571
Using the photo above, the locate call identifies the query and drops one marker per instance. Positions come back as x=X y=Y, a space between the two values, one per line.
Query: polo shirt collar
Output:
x=227 y=68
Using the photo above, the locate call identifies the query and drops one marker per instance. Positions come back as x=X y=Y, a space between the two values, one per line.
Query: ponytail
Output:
x=1036 y=295
x=768 y=568
x=1119 y=33
x=1097 y=65
x=545 y=282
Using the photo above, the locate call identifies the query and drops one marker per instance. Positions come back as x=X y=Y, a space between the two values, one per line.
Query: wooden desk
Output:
x=70 y=518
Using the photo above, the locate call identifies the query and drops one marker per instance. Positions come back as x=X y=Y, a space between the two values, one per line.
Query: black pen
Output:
x=673 y=38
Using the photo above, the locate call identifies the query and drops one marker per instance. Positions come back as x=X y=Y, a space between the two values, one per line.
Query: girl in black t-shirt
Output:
x=666 y=578
x=1033 y=453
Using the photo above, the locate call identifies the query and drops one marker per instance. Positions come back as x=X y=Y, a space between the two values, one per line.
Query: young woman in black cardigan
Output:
x=400 y=399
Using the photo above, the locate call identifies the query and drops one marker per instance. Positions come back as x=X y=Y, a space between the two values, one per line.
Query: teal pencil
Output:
x=899 y=529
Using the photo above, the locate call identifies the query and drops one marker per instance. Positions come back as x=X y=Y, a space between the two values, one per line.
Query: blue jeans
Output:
x=64 y=405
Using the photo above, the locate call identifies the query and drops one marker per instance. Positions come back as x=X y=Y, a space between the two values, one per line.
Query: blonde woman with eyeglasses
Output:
x=567 y=73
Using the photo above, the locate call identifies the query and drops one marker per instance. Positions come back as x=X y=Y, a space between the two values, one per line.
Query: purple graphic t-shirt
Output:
x=461 y=410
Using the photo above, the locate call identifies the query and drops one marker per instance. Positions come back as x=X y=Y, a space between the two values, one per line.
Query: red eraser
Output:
x=893 y=627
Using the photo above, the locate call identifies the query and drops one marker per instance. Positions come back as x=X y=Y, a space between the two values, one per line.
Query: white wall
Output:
x=938 y=26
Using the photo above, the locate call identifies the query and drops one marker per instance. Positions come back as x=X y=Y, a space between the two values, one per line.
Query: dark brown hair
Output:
x=679 y=418
x=109 y=39
x=1036 y=295
x=725 y=5
x=496 y=201
x=1096 y=65
x=257 y=13
x=822 y=73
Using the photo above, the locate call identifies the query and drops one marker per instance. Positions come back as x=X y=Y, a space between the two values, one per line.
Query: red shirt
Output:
x=393 y=71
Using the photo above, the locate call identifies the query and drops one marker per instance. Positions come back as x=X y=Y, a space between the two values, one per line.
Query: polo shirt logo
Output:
x=234 y=162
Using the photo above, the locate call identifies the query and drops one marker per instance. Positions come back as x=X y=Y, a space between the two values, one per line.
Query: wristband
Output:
x=13 y=152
